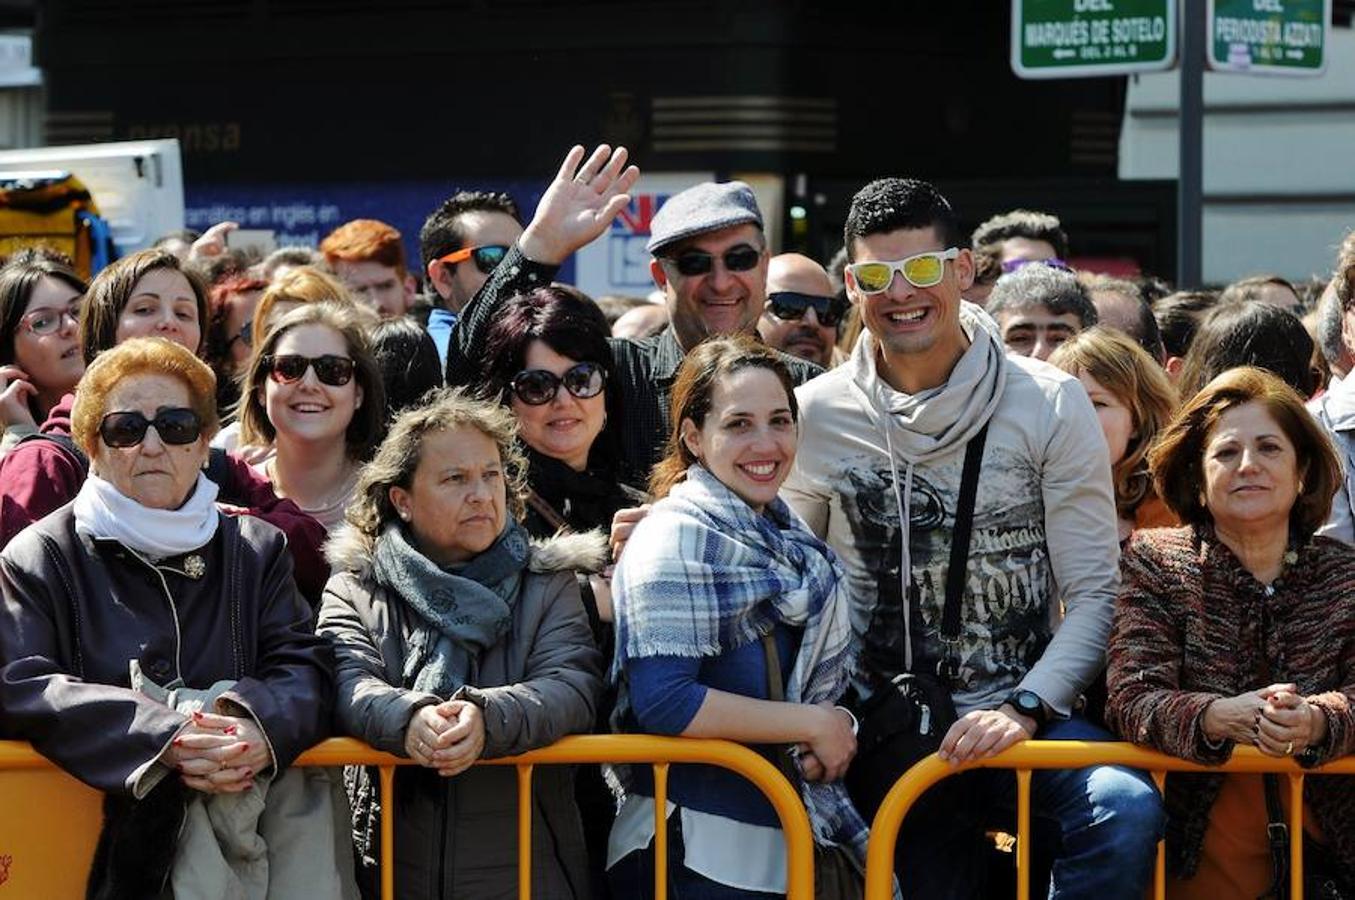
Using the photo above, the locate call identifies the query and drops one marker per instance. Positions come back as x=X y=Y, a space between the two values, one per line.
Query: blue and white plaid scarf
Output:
x=704 y=574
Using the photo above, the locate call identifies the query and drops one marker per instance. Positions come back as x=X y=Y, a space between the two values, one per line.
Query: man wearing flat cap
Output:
x=710 y=260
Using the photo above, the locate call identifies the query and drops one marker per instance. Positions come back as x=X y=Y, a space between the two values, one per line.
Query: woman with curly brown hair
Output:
x=459 y=638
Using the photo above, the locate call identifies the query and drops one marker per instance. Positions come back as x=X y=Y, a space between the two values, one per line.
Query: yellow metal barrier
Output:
x=79 y=804
x=1031 y=755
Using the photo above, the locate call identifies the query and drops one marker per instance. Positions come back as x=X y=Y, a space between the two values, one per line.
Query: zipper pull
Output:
x=926 y=726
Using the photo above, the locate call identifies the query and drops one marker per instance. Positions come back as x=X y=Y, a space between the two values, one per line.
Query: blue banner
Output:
x=302 y=213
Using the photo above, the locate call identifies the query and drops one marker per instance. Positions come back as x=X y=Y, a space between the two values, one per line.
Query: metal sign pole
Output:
x=1190 y=178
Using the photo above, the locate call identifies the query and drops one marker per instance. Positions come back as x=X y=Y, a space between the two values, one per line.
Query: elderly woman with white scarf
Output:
x=721 y=589
x=157 y=649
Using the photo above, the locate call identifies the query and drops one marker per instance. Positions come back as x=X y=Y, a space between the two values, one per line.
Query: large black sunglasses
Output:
x=176 y=425
x=790 y=306
x=739 y=258
x=335 y=371
x=536 y=387
x=486 y=257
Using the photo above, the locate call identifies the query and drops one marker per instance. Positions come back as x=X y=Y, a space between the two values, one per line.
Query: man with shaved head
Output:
x=802 y=310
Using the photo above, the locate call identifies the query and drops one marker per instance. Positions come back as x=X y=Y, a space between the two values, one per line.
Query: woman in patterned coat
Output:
x=1239 y=628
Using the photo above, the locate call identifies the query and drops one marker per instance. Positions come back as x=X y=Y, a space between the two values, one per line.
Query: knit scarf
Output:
x=704 y=574
x=102 y=511
x=463 y=610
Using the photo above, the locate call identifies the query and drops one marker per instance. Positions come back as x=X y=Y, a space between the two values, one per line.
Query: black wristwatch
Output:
x=1028 y=703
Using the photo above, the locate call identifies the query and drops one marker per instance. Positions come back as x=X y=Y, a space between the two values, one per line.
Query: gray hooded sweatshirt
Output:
x=878 y=476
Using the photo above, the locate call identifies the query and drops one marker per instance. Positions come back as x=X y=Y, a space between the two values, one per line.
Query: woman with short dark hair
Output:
x=1239 y=629
x=548 y=360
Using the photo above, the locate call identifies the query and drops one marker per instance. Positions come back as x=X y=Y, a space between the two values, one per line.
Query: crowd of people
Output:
x=943 y=494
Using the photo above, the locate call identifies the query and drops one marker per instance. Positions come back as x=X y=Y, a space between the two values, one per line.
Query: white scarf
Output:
x=102 y=511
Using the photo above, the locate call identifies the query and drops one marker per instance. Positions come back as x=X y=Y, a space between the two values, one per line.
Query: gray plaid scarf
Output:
x=462 y=612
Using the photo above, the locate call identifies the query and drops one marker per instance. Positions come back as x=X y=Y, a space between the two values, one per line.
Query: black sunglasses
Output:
x=537 y=386
x=739 y=258
x=486 y=258
x=176 y=425
x=790 y=306
x=335 y=371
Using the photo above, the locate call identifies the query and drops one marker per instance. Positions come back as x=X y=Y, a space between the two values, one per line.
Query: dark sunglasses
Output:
x=740 y=258
x=790 y=306
x=335 y=371
x=537 y=386
x=486 y=258
x=177 y=425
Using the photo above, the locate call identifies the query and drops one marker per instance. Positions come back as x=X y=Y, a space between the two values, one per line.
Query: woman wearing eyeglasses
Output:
x=549 y=362
x=147 y=294
x=157 y=649
x=40 y=362
x=314 y=394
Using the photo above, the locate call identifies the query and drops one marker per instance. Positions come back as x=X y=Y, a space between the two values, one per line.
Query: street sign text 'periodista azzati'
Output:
x=1269 y=37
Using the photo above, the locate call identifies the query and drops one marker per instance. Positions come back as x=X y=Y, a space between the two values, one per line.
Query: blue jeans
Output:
x=633 y=874
x=1109 y=818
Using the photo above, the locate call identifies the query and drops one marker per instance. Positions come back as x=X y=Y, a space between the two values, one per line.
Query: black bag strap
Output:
x=1277 y=832
x=949 y=665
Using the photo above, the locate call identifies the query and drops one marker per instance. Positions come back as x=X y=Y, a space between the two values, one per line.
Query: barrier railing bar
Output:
x=387 y=777
x=1075 y=755
x=575 y=749
x=1160 y=864
x=524 y=831
x=1023 y=834
x=661 y=831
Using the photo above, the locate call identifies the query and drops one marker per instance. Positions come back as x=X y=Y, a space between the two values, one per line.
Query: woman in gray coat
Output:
x=457 y=639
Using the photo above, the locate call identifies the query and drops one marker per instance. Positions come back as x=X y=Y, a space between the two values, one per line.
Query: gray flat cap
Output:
x=705 y=207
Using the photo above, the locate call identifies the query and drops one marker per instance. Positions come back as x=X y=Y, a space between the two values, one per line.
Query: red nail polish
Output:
x=178 y=742
x=245 y=745
x=231 y=729
x=249 y=773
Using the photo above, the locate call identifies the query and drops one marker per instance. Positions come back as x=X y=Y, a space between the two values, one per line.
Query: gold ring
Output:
x=1289 y=750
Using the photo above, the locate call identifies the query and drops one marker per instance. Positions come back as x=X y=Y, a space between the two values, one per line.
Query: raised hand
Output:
x=15 y=391
x=213 y=241
x=580 y=203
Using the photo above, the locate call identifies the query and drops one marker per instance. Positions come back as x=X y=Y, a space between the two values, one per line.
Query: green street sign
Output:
x=1078 y=38
x=1269 y=37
